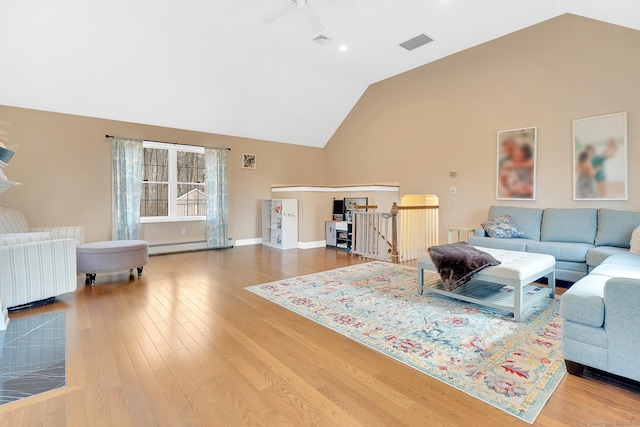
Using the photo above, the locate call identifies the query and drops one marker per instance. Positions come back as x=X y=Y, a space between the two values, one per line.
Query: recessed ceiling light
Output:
x=343 y=48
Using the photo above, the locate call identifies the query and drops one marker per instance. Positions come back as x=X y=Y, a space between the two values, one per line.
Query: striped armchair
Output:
x=35 y=264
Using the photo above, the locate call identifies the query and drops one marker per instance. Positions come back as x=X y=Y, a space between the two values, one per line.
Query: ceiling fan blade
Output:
x=279 y=13
x=315 y=21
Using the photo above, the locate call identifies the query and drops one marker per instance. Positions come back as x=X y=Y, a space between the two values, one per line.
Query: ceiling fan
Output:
x=303 y=6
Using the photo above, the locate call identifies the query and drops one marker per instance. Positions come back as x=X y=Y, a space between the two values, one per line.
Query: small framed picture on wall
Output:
x=248 y=161
x=516 y=175
x=350 y=203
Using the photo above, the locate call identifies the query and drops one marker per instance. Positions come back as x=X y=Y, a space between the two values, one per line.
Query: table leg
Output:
x=551 y=282
x=517 y=302
x=91 y=279
x=420 y=279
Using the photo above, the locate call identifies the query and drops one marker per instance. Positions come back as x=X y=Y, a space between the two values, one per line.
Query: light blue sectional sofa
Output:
x=601 y=311
x=579 y=239
x=601 y=325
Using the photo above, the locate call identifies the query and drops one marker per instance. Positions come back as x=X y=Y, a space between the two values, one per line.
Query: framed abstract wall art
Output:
x=600 y=157
x=516 y=175
x=248 y=161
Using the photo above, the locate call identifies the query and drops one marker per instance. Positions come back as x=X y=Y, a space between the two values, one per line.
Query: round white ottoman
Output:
x=110 y=256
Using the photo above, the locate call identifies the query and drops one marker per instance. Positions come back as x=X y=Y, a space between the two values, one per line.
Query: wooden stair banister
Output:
x=394 y=232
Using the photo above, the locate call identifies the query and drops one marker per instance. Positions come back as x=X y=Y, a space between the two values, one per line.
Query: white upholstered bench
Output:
x=110 y=256
x=506 y=287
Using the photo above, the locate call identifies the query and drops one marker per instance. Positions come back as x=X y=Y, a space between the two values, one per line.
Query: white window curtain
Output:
x=217 y=224
x=127 y=184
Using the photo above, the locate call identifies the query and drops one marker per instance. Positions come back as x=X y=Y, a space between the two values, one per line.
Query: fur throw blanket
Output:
x=458 y=262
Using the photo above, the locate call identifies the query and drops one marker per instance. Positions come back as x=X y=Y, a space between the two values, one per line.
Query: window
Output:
x=172 y=183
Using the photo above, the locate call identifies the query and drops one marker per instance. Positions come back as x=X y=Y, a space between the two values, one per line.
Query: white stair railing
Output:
x=397 y=236
x=371 y=232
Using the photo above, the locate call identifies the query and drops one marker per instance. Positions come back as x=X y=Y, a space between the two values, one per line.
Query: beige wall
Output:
x=444 y=116
x=315 y=207
x=412 y=129
x=64 y=162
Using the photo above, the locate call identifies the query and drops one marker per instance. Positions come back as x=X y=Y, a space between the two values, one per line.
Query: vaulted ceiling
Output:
x=243 y=68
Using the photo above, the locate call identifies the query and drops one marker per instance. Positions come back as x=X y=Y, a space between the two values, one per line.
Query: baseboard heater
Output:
x=170 y=248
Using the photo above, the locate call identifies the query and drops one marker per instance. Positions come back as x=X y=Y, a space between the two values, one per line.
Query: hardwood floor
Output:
x=187 y=345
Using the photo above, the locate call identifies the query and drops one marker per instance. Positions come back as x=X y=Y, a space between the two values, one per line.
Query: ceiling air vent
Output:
x=416 y=42
x=322 y=40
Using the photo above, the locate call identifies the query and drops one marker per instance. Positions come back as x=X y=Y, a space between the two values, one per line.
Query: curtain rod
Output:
x=174 y=143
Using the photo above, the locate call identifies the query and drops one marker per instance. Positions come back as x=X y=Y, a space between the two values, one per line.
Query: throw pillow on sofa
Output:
x=635 y=241
x=502 y=227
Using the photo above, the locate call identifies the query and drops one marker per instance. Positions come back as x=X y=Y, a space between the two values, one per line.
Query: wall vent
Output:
x=321 y=40
x=416 y=42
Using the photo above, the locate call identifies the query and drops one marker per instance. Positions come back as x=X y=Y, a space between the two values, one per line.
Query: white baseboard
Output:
x=247 y=242
x=311 y=245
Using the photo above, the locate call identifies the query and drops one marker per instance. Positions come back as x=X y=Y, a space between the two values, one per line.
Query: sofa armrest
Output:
x=37 y=270
x=621 y=296
x=479 y=232
x=64 y=232
x=17 y=238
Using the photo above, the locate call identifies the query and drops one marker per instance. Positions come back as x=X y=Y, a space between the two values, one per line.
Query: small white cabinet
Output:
x=280 y=223
x=338 y=234
x=330 y=232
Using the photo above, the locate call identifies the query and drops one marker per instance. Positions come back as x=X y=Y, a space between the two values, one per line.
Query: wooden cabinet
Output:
x=280 y=223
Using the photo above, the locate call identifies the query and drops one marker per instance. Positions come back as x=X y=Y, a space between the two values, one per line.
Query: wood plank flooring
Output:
x=187 y=345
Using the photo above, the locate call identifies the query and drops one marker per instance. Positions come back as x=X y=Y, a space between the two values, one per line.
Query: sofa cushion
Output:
x=583 y=302
x=528 y=219
x=502 y=227
x=615 y=227
x=10 y=239
x=563 y=251
x=569 y=225
x=624 y=258
x=507 y=244
x=617 y=270
x=597 y=255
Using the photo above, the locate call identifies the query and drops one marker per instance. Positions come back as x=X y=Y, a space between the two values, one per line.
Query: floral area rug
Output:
x=513 y=366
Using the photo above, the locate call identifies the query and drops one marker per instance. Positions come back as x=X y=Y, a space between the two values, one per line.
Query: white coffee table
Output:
x=506 y=287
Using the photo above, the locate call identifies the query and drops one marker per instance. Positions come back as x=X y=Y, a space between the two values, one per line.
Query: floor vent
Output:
x=416 y=42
